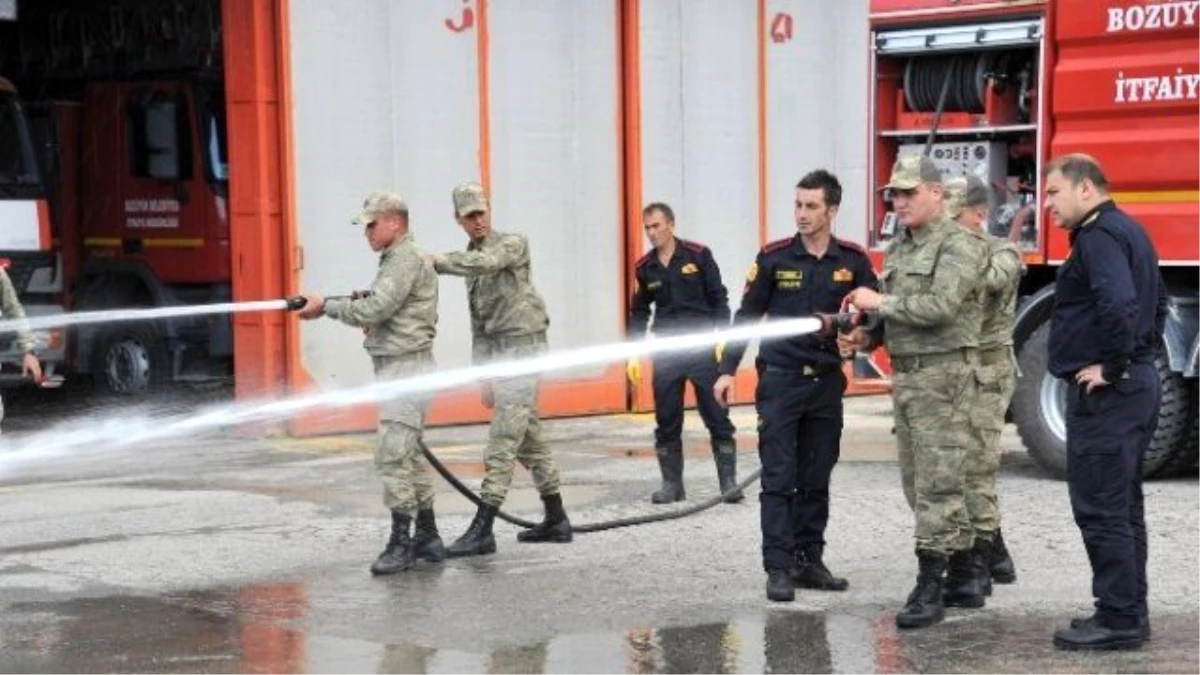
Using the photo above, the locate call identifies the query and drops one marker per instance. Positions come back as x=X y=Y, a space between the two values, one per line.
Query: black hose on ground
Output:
x=587 y=527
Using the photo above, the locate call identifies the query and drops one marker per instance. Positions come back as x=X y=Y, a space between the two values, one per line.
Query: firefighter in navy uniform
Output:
x=682 y=281
x=1110 y=306
x=800 y=385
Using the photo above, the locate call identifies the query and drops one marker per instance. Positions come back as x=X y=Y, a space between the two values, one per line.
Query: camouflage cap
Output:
x=379 y=203
x=470 y=198
x=964 y=192
x=910 y=171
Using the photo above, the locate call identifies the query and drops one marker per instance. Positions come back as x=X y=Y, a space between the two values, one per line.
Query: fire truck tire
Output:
x=1182 y=460
x=1170 y=436
x=130 y=360
x=1039 y=411
x=1039 y=405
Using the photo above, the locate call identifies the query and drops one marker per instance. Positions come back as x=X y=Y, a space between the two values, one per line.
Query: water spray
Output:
x=48 y=321
x=94 y=434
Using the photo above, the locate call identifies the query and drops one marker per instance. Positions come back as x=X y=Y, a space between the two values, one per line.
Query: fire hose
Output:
x=842 y=322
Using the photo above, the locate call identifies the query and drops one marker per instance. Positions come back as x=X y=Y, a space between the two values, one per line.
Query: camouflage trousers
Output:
x=932 y=407
x=398 y=458
x=996 y=383
x=516 y=432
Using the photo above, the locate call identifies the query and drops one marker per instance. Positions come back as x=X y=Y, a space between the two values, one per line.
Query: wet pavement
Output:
x=234 y=555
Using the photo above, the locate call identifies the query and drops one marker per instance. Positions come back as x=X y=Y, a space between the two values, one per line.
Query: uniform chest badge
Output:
x=752 y=273
x=843 y=275
x=653 y=285
x=690 y=268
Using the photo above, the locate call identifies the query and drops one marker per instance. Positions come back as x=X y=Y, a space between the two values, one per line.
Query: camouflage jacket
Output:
x=504 y=303
x=400 y=314
x=1000 y=279
x=12 y=310
x=931 y=286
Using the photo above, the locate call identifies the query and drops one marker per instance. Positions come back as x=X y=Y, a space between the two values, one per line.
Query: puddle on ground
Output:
x=264 y=629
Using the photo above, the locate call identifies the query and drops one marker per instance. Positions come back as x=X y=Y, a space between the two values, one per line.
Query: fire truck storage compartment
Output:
x=985 y=76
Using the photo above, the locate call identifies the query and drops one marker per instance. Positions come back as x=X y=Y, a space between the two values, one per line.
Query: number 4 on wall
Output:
x=781 y=28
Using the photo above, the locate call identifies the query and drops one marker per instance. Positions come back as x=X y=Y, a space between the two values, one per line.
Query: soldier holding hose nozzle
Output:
x=399 y=317
x=800 y=385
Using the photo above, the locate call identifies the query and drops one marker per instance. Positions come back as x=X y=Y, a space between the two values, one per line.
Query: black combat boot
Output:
x=427 y=543
x=924 y=606
x=779 y=586
x=811 y=572
x=670 y=462
x=1000 y=563
x=554 y=528
x=963 y=587
x=983 y=557
x=725 y=456
x=478 y=539
x=398 y=555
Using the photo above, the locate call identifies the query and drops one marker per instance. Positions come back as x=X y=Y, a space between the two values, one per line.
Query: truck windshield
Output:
x=17 y=165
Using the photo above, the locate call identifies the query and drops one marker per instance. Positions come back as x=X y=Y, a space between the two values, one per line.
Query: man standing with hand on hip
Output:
x=1110 y=306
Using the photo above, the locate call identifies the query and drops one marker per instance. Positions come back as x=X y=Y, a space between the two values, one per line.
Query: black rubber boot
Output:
x=810 y=572
x=398 y=555
x=779 y=586
x=554 y=528
x=670 y=462
x=427 y=543
x=725 y=456
x=478 y=539
x=1000 y=563
x=925 y=606
x=963 y=581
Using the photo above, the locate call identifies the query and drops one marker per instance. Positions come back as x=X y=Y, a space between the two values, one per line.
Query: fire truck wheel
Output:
x=1170 y=436
x=1182 y=461
x=130 y=360
x=1039 y=407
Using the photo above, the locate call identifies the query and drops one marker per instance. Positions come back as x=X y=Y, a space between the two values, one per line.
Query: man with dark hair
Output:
x=1110 y=308
x=800 y=385
x=681 y=280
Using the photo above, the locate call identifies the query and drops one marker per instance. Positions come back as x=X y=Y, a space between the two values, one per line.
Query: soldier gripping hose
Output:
x=399 y=318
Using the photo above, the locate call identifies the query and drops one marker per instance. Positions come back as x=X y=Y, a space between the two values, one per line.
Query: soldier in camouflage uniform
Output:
x=931 y=318
x=968 y=203
x=11 y=309
x=399 y=318
x=508 y=322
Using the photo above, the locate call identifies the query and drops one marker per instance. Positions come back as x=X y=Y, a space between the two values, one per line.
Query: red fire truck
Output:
x=114 y=187
x=1012 y=84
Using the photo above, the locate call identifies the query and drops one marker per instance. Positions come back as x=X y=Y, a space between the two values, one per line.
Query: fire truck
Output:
x=113 y=190
x=996 y=89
